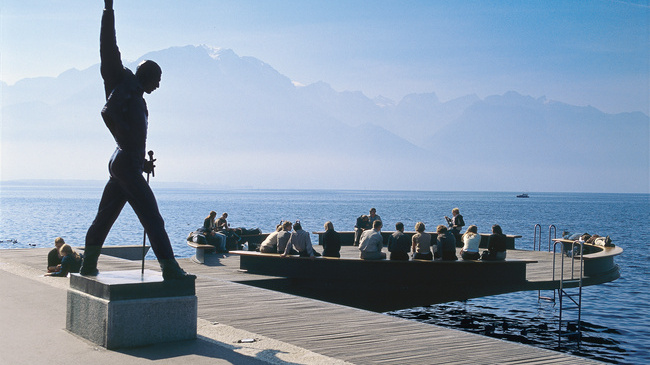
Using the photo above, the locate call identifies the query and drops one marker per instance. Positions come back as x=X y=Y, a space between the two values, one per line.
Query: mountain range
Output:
x=224 y=120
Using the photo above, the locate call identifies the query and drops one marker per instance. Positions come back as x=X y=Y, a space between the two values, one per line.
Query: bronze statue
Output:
x=125 y=114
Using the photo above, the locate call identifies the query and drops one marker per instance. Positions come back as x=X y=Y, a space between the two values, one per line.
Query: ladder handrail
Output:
x=561 y=292
x=535 y=235
x=553 y=229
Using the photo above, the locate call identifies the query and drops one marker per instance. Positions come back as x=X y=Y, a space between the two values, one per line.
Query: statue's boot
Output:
x=89 y=265
x=172 y=271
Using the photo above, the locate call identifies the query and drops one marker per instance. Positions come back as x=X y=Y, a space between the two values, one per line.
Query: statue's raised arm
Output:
x=111 y=62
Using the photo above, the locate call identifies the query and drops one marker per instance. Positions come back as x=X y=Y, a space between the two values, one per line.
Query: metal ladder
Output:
x=569 y=301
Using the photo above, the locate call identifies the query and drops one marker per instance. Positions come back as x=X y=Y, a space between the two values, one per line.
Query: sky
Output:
x=579 y=52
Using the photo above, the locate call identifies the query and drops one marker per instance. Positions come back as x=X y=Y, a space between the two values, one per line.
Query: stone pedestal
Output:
x=118 y=309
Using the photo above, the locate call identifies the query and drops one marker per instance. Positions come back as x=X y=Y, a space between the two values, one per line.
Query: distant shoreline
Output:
x=99 y=184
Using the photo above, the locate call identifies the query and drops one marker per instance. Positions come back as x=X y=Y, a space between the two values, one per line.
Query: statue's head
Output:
x=148 y=74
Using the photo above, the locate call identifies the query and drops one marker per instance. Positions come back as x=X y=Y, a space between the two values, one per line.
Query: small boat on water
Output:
x=524 y=195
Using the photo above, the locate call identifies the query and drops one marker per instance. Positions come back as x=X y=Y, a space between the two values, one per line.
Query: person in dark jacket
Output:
x=331 y=241
x=399 y=244
x=446 y=244
x=496 y=249
x=455 y=223
x=363 y=223
x=126 y=116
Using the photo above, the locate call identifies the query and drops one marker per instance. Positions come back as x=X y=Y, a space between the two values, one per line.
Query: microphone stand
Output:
x=144 y=238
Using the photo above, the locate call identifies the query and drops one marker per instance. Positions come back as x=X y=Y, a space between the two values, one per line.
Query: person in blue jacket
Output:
x=126 y=116
x=70 y=262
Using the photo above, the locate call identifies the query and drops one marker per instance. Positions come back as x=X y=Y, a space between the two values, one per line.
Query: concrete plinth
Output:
x=120 y=309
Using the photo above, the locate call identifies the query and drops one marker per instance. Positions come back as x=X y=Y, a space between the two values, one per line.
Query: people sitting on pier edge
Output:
x=421 y=243
x=399 y=244
x=301 y=241
x=70 y=262
x=455 y=223
x=371 y=243
x=270 y=244
x=471 y=240
x=445 y=245
x=363 y=223
x=283 y=238
x=212 y=234
x=53 y=258
x=496 y=249
x=331 y=241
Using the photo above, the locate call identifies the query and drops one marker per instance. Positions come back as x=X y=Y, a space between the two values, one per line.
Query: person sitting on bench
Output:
x=471 y=239
x=371 y=243
x=496 y=249
x=421 y=243
x=446 y=244
x=301 y=241
x=270 y=244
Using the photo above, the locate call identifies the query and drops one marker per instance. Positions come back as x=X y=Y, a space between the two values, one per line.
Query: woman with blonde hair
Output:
x=421 y=245
x=471 y=239
x=270 y=244
x=331 y=241
x=70 y=261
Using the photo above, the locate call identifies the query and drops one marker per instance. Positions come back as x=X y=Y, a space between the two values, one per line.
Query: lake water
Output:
x=616 y=316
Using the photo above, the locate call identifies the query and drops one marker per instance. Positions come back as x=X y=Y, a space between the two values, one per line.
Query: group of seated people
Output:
x=63 y=259
x=290 y=239
x=371 y=242
x=422 y=247
x=216 y=231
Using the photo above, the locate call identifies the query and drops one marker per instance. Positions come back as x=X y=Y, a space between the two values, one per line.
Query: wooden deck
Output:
x=354 y=335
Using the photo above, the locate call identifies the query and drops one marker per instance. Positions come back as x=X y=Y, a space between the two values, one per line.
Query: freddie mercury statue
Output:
x=125 y=114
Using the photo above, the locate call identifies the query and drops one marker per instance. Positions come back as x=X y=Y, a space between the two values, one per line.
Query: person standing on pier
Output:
x=125 y=114
x=455 y=223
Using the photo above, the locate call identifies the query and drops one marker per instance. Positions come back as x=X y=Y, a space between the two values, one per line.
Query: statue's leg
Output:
x=110 y=206
x=143 y=202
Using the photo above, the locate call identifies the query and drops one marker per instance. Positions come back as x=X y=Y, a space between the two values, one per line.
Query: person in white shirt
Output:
x=372 y=242
x=270 y=244
x=471 y=240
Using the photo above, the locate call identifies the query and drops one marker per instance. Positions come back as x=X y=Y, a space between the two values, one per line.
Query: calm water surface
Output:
x=615 y=315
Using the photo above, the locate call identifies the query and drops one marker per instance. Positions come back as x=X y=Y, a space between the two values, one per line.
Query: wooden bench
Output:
x=384 y=284
x=597 y=259
x=199 y=257
x=460 y=271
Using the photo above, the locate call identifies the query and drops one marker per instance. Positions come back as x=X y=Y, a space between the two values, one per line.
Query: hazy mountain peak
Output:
x=384 y=102
x=420 y=99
